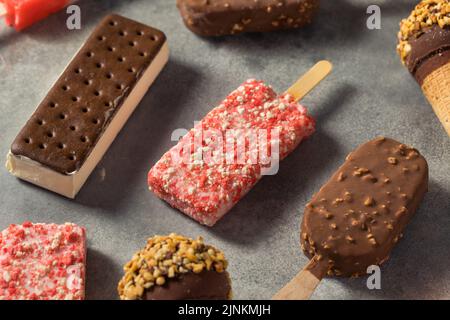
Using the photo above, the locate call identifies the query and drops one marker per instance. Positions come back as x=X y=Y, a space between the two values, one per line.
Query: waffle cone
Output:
x=436 y=88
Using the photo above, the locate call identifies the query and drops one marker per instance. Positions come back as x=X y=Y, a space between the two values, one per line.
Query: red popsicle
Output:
x=23 y=13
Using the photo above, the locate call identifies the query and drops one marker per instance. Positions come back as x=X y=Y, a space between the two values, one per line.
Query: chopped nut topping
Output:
x=369 y=202
x=370 y=178
x=166 y=257
x=412 y=155
x=341 y=177
x=350 y=239
x=348 y=197
x=392 y=160
x=360 y=172
x=401 y=212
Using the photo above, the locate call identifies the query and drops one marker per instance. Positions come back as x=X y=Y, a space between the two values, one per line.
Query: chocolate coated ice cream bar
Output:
x=222 y=17
x=85 y=109
x=358 y=216
x=355 y=220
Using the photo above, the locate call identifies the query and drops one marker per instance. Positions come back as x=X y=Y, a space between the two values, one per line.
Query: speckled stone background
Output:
x=368 y=94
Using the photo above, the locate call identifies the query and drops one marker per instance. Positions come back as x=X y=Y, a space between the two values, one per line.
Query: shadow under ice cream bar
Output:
x=424 y=47
x=176 y=268
x=222 y=17
x=42 y=262
x=88 y=105
x=358 y=216
x=23 y=13
x=207 y=190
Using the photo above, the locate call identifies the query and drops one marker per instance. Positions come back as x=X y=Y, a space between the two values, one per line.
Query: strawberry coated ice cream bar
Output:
x=203 y=177
x=42 y=262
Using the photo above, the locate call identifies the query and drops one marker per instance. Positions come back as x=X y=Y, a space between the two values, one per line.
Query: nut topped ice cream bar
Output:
x=358 y=216
x=76 y=122
x=42 y=262
x=223 y=17
x=203 y=178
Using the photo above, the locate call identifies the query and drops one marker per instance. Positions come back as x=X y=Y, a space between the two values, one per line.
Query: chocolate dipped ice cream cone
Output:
x=424 y=48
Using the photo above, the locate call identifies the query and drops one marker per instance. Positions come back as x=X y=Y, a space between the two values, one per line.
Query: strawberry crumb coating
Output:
x=206 y=190
x=42 y=262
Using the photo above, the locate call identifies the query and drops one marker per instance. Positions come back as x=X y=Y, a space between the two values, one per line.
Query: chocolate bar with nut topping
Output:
x=83 y=112
x=358 y=216
x=223 y=17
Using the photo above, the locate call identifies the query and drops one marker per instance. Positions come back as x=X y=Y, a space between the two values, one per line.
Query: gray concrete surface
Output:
x=369 y=94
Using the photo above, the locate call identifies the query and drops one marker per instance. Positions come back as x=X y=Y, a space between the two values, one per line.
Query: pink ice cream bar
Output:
x=42 y=262
x=23 y=13
x=203 y=177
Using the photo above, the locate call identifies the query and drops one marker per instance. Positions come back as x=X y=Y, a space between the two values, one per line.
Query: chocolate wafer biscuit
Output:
x=358 y=216
x=85 y=109
x=222 y=17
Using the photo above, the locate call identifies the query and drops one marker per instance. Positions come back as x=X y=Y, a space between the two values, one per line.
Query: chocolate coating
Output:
x=67 y=124
x=207 y=285
x=222 y=17
x=429 y=51
x=357 y=217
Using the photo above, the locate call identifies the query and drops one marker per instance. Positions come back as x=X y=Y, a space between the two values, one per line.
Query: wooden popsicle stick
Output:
x=306 y=281
x=310 y=79
x=302 y=286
